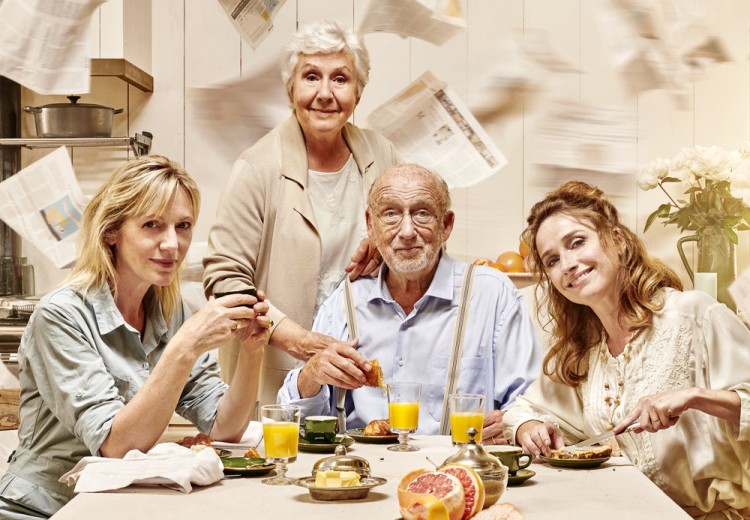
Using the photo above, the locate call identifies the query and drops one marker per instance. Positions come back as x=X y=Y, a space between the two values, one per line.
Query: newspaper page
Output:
x=431 y=126
x=43 y=203
x=44 y=46
x=435 y=21
x=587 y=137
x=253 y=19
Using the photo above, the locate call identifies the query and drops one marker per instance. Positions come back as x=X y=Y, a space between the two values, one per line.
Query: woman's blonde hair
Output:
x=575 y=328
x=144 y=186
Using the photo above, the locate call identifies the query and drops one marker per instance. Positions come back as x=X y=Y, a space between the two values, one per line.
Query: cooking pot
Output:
x=73 y=119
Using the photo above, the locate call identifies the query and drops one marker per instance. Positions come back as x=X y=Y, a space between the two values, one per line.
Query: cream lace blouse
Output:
x=702 y=462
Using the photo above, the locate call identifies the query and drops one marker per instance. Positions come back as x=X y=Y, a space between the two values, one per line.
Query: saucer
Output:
x=521 y=476
x=316 y=447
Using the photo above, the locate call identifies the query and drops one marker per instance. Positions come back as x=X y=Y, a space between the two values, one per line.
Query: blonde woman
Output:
x=110 y=356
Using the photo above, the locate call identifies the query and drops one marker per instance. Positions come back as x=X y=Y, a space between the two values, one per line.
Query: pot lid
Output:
x=343 y=462
x=473 y=455
x=75 y=104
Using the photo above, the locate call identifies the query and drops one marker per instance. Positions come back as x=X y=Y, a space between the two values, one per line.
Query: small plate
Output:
x=521 y=476
x=575 y=463
x=358 y=434
x=246 y=467
x=341 y=493
x=222 y=453
x=313 y=447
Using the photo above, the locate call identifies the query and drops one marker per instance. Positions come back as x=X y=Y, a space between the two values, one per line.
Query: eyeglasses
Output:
x=420 y=217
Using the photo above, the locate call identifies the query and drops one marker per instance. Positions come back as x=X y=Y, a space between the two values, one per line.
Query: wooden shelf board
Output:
x=124 y=70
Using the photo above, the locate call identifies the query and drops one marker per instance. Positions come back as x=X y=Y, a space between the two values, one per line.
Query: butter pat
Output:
x=336 y=479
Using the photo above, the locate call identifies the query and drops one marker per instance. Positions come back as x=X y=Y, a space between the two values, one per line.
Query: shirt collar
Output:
x=109 y=318
x=441 y=287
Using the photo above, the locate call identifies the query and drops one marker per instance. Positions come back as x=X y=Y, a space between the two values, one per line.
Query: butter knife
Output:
x=601 y=437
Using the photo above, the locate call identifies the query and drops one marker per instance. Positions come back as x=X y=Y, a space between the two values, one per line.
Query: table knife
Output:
x=601 y=437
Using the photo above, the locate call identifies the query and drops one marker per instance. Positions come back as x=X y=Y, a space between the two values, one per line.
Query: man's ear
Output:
x=368 y=221
x=448 y=220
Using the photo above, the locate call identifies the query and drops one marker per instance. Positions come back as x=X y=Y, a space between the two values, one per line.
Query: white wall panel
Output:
x=194 y=44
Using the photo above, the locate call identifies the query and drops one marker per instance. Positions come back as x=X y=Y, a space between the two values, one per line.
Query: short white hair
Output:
x=325 y=37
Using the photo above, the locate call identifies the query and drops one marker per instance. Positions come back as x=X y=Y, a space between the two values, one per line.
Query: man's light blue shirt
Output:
x=501 y=353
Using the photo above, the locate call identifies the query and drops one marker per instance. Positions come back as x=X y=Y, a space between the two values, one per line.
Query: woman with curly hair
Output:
x=629 y=345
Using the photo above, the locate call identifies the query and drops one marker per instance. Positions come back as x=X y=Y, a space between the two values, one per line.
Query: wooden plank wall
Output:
x=195 y=45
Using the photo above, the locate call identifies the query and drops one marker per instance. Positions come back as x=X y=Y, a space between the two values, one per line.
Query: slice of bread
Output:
x=375 y=375
x=590 y=452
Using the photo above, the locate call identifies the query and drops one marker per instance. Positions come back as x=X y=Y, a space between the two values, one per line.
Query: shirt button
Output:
x=401 y=363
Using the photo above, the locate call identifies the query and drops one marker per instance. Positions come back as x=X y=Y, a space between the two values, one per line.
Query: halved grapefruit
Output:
x=473 y=487
x=417 y=492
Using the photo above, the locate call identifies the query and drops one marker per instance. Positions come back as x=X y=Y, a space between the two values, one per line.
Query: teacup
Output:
x=511 y=457
x=320 y=429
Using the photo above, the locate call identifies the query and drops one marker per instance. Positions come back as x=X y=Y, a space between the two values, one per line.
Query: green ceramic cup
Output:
x=511 y=456
x=320 y=429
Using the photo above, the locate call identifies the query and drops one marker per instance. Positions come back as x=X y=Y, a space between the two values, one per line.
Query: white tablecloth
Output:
x=616 y=490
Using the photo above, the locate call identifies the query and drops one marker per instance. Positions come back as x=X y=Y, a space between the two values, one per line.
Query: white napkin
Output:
x=250 y=439
x=166 y=464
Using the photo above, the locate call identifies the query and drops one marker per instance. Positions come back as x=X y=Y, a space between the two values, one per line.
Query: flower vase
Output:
x=715 y=255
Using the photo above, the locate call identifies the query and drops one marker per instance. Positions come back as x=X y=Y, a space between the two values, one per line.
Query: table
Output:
x=615 y=490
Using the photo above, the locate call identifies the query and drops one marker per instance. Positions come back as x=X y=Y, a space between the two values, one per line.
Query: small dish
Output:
x=521 y=476
x=222 y=453
x=575 y=463
x=341 y=493
x=358 y=434
x=246 y=467
x=314 y=447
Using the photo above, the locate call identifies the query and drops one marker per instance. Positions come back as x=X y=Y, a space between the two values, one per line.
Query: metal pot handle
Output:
x=32 y=110
x=118 y=111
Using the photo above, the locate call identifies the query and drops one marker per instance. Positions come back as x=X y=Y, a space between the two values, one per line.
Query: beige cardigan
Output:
x=265 y=234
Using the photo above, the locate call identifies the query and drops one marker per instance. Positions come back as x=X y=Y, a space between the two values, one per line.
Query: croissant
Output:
x=378 y=428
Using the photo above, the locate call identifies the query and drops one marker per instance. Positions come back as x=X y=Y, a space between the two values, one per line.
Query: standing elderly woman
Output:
x=110 y=356
x=628 y=345
x=292 y=212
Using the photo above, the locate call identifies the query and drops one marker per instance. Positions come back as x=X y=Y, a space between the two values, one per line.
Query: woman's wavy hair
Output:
x=575 y=328
x=144 y=186
x=325 y=37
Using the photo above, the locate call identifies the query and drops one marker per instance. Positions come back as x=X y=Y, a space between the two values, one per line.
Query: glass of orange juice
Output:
x=280 y=438
x=466 y=410
x=403 y=413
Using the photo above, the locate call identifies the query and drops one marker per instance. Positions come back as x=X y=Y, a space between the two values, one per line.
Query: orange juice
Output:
x=403 y=416
x=280 y=439
x=461 y=421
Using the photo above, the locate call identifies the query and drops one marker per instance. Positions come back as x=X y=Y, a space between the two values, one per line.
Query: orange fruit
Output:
x=418 y=490
x=523 y=248
x=473 y=487
x=483 y=261
x=510 y=262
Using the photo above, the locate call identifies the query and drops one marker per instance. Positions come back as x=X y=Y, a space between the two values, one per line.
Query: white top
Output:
x=339 y=208
x=702 y=461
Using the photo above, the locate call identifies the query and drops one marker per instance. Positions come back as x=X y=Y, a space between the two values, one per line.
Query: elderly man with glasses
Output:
x=406 y=318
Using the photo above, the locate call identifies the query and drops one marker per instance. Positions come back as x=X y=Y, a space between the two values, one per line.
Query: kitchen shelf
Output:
x=124 y=70
x=140 y=143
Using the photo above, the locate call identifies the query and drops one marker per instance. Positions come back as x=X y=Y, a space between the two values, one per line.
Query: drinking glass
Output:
x=403 y=412
x=466 y=410
x=280 y=438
